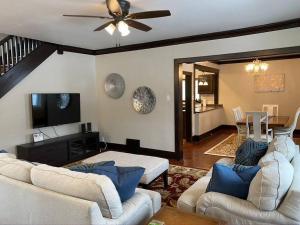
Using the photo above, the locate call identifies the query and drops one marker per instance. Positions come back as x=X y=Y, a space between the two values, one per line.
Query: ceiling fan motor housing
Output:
x=125 y=6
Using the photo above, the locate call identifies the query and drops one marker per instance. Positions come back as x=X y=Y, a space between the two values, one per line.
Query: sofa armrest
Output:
x=237 y=211
x=155 y=198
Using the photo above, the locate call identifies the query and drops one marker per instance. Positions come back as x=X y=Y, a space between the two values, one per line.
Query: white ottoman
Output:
x=154 y=166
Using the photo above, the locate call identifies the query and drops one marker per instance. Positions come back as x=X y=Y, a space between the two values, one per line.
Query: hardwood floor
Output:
x=193 y=153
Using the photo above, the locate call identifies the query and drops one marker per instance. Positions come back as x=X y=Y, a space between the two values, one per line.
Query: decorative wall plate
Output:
x=114 y=85
x=144 y=100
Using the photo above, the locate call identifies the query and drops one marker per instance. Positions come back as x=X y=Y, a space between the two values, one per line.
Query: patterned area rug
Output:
x=226 y=148
x=180 y=178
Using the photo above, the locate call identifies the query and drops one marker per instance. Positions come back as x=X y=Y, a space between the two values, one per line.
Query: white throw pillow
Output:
x=272 y=181
x=16 y=169
x=91 y=187
x=283 y=144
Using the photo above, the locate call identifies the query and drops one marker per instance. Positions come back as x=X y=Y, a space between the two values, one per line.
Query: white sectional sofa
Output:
x=243 y=212
x=48 y=195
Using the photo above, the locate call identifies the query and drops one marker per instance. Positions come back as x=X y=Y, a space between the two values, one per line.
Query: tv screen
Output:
x=55 y=109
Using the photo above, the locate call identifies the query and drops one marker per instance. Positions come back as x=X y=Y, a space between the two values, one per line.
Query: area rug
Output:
x=226 y=148
x=179 y=178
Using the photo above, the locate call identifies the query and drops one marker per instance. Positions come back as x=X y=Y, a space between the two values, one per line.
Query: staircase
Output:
x=19 y=57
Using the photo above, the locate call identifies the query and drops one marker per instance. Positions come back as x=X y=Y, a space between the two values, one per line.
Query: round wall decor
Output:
x=114 y=85
x=144 y=100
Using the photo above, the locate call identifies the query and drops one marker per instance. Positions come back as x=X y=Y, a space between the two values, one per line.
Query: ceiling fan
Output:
x=121 y=19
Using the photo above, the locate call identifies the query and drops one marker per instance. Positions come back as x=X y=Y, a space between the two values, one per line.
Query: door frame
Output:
x=188 y=104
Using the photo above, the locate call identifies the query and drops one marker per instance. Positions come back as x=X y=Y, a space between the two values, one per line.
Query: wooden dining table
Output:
x=273 y=121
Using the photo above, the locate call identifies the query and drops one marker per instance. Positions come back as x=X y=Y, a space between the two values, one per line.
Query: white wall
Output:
x=155 y=68
x=59 y=73
x=243 y=94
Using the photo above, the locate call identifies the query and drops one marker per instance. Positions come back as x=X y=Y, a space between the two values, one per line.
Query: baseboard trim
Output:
x=196 y=138
x=141 y=151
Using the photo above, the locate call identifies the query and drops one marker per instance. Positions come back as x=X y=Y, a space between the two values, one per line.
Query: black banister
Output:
x=5 y=39
x=13 y=49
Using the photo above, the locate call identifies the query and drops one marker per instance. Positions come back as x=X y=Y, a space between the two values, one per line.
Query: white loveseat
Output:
x=242 y=212
x=47 y=195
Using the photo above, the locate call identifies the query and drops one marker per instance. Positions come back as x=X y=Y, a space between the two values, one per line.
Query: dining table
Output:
x=273 y=121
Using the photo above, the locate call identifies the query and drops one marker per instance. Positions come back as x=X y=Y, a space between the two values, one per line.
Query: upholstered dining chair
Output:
x=260 y=128
x=238 y=116
x=271 y=109
x=288 y=131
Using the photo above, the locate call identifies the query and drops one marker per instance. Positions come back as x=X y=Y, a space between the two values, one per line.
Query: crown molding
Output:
x=288 y=24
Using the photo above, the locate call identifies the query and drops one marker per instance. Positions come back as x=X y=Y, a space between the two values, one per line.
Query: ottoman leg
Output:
x=165 y=178
x=145 y=186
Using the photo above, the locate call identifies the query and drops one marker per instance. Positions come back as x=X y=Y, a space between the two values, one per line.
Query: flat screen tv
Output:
x=55 y=109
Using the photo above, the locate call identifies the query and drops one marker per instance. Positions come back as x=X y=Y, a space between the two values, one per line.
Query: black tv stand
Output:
x=61 y=150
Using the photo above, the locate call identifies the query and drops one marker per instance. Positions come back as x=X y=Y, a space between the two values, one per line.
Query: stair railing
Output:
x=13 y=49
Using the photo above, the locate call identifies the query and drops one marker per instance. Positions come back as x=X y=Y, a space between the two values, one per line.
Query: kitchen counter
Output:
x=202 y=109
x=207 y=119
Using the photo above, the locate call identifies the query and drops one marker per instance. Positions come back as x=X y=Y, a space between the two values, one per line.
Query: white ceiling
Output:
x=42 y=19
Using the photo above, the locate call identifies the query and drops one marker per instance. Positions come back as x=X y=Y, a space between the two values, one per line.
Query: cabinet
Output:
x=61 y=150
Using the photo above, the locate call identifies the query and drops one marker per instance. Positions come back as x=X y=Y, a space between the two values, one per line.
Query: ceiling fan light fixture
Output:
x=125 y=33
x=123 y=27
x=110 y=29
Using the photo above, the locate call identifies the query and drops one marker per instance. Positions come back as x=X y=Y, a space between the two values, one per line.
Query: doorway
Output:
x=271 y=54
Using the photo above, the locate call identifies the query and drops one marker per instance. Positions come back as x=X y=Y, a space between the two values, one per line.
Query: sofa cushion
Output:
x=283 y=144
x=125 y=179
x=272 y=182
x=5 y=154
x=250 y=152
x=92 y=187
x=290 y=206
x=16 y=169
x=232 y=180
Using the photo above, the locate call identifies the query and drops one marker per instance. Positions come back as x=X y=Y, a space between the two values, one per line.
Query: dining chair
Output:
x=288 y=131
x=260 y=127
x=238 y=116
x=271 y=109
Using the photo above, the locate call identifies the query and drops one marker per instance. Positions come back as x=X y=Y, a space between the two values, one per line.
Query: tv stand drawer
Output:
x=52 y=154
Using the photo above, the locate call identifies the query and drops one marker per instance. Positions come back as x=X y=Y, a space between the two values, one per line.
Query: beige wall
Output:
x=59 y=73
x=237 y=88
x=155 y=68
x=2 y=36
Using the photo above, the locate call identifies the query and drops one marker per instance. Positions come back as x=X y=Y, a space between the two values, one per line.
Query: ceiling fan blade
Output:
x=138 y=25
x=149 y=14
x=87 y=16
x=114 y=7
x=103 y=26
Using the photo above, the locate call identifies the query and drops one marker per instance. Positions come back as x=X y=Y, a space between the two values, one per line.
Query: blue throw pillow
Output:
x=250 y=152
x=232 y=180
x=125 y=179
x=88 y=168
x=3 y=151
